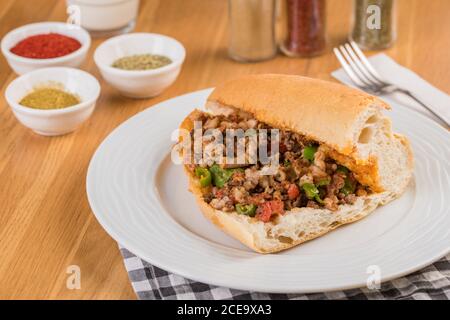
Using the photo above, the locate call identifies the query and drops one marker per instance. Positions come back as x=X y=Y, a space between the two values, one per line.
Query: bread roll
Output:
x=351 y=126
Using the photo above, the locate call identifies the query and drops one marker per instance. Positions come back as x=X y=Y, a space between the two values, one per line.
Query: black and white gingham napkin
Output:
x=150 y=282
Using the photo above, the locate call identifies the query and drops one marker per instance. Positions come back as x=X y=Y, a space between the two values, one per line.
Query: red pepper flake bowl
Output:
x=71 y=46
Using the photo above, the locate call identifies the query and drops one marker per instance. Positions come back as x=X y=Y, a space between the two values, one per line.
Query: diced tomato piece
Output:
x=264 y=212
x=293 y=191
x=277 y=206
x=282 y=147
x=269 y=208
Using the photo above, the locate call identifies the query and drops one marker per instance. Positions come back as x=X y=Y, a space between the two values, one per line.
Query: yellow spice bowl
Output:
x=54 y=122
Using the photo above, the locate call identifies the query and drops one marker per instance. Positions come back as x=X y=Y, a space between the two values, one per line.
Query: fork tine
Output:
x=347 y=69
x=366 y=63
x=354 y=68
x=367 y=76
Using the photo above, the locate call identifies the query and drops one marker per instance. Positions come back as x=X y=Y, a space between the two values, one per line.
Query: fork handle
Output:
x=415 y=98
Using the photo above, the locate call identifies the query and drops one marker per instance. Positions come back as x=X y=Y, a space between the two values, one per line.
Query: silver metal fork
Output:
x=364 y=75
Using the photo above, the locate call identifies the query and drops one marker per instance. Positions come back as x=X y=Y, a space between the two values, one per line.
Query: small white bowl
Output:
x=22 y=65
x=140 y=83
x=54 y=122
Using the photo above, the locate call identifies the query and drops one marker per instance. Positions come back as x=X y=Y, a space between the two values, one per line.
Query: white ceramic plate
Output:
x=140 y=197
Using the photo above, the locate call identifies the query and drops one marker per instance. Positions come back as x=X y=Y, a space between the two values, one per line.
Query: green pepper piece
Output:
x=317 y=198
x=220 y=176
x=312 y=192
x=348 y=187
x=286 y=163
x=309 y=152
x=342 y=169
x=204 y=175
x=246 y=209
x=215 y=168
x=324 y=182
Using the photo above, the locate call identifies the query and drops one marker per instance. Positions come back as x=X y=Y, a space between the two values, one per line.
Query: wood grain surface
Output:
x=46 y=224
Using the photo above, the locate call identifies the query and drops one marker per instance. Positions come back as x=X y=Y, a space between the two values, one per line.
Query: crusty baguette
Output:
x=347 y=121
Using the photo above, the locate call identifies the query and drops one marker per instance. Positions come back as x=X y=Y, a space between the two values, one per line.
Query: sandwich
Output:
x=337 y=159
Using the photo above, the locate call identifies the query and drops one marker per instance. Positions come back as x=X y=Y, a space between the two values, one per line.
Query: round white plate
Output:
x=140 y=197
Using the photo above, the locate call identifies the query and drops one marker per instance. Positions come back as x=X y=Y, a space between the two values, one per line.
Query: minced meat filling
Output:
x=306 y=176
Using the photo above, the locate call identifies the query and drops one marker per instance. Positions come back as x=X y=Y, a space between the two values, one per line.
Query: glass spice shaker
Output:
x=374 y=24
x=304 y=33
x=252 y=30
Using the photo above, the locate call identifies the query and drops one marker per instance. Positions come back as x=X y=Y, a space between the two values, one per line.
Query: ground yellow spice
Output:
x=141 y=62
x=49 y=98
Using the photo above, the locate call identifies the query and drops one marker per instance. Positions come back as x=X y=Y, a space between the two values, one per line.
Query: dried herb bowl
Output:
x=22 y=65
x=140 y=83
x=54 y=122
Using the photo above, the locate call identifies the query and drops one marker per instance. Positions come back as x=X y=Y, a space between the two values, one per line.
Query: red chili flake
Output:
x=46 y=46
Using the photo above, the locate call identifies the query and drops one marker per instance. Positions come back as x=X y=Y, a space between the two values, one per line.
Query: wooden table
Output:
x=46 y=224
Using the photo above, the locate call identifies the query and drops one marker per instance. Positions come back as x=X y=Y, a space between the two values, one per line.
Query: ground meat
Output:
x=290 y=204
x=277 y=195
x=224 y=203
x=252 y=178
x=307 y=178
x=264 y=182
x=319 y=167
x=281 y=174
x=350 y=199
x=289 y=142
x=313 y=204
x=290 y=156
x=259 y=198
x=337 y=182
x=331 y=168
x=239 y=194
x=331 y=203
x=361 y=192
x=237 y=179
x=273 y=194
x=211 y=123
x=291 y=174
x=221 y=192
x=319 y=159
x=317 y=172
x=208 y=197
x=299 y=167
x=341 y=195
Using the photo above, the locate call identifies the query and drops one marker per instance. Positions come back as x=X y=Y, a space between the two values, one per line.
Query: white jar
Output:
x=104 y=17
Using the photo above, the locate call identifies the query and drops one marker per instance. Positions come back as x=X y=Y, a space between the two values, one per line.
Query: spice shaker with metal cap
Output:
x=252 y=29
x=374 y=24
x=304 y=30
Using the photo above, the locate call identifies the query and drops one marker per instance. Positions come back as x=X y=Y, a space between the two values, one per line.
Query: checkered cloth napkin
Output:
x=150 y=282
